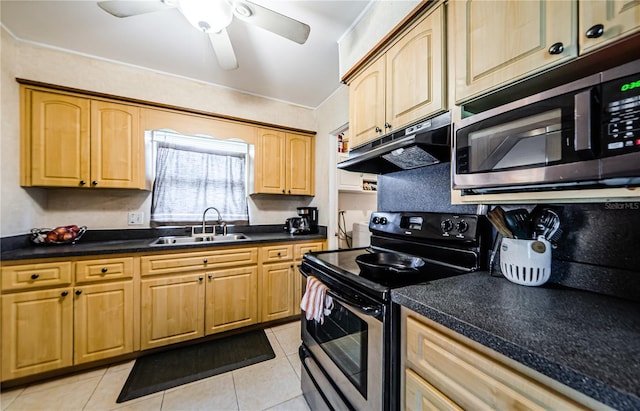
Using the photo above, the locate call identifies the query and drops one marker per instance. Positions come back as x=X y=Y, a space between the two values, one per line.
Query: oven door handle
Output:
x=369 y=310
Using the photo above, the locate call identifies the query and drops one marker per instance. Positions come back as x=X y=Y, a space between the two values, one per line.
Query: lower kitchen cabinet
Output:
x=37 y=332
x=446 y=371
x=277 y=286
x=172 y=309
x=103 y=321
x=231 y=299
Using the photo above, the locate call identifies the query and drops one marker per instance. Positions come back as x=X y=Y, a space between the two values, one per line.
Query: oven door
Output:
x=348 y=347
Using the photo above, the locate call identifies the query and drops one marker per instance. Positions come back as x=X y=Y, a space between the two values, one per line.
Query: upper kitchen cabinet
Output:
x=72 y=141
x=401 y=85
x=284 y=163
x=496 y=43
x=605 y=21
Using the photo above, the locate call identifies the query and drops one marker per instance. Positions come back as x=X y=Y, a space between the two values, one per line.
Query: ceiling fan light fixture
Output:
x=209 y=16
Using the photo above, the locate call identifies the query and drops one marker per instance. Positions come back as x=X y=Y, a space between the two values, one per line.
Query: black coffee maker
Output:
x=309 y=219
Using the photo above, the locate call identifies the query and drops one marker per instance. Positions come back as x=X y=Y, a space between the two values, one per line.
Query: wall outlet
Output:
x=136 y=218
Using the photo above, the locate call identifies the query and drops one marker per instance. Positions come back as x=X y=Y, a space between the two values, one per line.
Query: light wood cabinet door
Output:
x=415 y=85
x=37 y=332
x=103 y=321
x=117 y=159
x=618 y=18
x=172 y=309
x=367 y=104
x=299 y=164
x=284 y=163
x=498 y=42
x=231 y=299
x=270 y=162
x=57 y=140
x=277 y=288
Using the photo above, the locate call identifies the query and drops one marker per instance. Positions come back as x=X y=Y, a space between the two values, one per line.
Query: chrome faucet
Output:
x=220 y=222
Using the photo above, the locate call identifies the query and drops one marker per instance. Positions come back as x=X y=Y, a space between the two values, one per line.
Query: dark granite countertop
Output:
x=587 y=341
x=139 y=241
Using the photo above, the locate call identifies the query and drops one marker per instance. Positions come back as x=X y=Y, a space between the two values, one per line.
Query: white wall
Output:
x=378 y=20
x=24 y=208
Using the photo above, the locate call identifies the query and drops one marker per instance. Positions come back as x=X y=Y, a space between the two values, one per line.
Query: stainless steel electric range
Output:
x=350 y=360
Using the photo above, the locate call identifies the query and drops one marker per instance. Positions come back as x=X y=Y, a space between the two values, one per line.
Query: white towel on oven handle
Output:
x=315 y=302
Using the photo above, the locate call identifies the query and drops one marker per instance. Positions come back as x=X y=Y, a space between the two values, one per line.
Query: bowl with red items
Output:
x=68 y=234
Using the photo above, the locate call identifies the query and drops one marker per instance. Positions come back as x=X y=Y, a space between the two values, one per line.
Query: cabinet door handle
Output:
x=205 y=261
x=378 y=129
x=35 y=276
x=82 y=182
x=289 y=192
x=595 y=31
x=94 y=182
x=78 y=292
x=200 y=278
x=283 y=192
x=64 y=293
x=210 y=277
x=387 y=125
x=556 y=48
x=104 y=270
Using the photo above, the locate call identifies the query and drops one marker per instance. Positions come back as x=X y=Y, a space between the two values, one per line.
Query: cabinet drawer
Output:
x=275 y=253
x=207 y=260
x=104 y=269
x=301 y=249
x=36 y=275
x=420 y=395
x=473 y=379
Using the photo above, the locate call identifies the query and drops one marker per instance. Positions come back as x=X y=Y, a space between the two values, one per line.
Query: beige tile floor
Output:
x=269 y=385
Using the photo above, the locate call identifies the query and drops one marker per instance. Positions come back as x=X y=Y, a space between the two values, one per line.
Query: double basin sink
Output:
x=199 y=239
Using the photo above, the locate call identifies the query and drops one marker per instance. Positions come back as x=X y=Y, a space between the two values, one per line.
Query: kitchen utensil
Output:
x=494 y=251
x=497 y=218
x=382 y=264
x=519 y=223
x=546 y=223
x=526 y=262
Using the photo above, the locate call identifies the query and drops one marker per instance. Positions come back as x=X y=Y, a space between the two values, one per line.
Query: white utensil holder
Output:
x=526 y=262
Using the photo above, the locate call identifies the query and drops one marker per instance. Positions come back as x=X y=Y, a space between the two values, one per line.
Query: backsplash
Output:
x=598 y=248
x=422 y=189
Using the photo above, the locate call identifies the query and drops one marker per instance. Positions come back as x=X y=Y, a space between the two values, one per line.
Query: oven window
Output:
x=343 y=336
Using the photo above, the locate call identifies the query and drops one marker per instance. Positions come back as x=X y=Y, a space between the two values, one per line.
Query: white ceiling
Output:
x=270 y=66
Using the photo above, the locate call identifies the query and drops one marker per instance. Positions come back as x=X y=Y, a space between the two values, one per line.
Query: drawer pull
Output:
x=595 y=31
x=279 y=254
x=35 y=276
x=205 y=261
x=556 y=48
x=104 y=270
x=78 y=292
x=64 y=293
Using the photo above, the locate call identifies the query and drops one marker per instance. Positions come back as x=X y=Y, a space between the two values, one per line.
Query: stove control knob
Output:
x=376 y=220
x=462 y=226
x=383 y=220
x=446 y=226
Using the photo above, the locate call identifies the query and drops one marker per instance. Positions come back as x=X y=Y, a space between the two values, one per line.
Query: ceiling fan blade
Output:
x=272 y=21
x=224 y=50
x=127 y=8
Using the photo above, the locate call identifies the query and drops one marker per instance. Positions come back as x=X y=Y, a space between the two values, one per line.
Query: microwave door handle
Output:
x=582 y=120
x=363 y=309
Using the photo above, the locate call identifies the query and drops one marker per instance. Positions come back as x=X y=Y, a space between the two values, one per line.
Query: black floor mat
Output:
x=168 y=369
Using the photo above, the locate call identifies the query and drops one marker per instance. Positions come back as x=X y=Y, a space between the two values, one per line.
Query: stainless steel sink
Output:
x=199 y=239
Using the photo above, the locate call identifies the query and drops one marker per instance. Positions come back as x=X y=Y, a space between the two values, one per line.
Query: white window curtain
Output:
x=193 y=173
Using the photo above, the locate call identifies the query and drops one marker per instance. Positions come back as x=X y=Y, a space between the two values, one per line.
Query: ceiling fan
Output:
x=213 y=16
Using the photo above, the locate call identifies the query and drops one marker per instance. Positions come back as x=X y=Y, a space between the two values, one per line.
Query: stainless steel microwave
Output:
x=580 y=135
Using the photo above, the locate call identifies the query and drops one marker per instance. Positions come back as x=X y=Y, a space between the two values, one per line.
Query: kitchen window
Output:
x=191 y=173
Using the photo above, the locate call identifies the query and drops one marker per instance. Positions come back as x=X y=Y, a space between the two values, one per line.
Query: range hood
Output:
x=421 y=144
